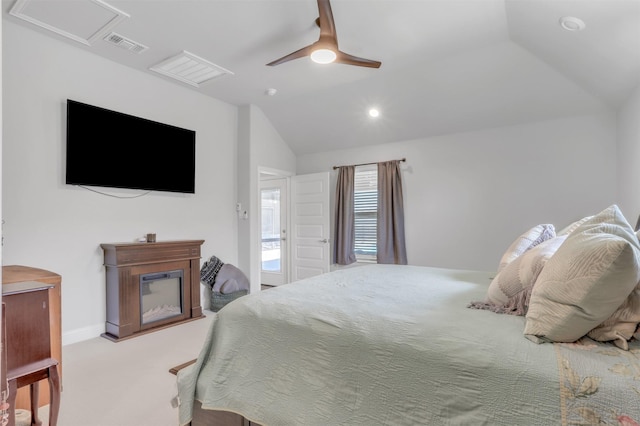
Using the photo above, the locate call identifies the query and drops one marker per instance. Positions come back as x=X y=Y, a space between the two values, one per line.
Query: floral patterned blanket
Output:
x=591 y=376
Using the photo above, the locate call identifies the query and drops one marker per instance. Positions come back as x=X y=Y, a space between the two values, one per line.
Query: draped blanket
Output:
x=209 y=270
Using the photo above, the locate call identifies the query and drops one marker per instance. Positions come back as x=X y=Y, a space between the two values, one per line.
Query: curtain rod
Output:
x=366 y=164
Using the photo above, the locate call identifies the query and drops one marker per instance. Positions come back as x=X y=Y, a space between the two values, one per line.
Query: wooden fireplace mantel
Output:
x=125 y=262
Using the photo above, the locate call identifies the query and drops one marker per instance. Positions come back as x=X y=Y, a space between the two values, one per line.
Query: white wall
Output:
x=259 y=147
x=468 y=196
x=59 y=227
x=629 y=157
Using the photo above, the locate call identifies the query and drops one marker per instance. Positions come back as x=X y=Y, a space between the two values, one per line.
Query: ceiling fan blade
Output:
x=300 y=53
x=325 y=21
x=345 y=58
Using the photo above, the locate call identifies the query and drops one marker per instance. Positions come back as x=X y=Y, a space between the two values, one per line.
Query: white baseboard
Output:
x=82 y=334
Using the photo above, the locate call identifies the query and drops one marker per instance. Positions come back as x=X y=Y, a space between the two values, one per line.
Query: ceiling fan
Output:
x=325 y=50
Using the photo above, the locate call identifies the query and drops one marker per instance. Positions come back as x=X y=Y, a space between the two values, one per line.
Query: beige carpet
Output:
x=126 y=383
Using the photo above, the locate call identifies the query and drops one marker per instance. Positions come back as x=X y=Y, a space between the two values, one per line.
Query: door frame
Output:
x=266 y=173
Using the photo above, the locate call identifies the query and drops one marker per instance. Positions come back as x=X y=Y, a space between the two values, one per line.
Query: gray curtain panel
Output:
x=345 y=234
x=391 y=242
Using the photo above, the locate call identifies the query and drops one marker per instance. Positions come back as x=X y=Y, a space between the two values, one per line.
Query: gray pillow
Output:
x=230 y=279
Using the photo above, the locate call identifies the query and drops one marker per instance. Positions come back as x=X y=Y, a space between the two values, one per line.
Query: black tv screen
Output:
x=111 y=149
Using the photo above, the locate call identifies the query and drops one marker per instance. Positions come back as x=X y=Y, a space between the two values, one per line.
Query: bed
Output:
x=400 y=345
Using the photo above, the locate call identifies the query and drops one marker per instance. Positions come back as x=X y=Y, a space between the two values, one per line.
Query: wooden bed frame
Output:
x=203 y=417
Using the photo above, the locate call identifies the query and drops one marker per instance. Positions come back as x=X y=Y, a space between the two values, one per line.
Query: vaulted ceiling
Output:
x=448 y=66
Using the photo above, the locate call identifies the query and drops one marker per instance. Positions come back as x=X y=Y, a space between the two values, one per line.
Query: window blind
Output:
x=366 y=210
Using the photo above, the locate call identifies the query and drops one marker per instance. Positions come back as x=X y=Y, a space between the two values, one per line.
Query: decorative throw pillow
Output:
x=510 y=290
x=586 y=280
x=524 y=242
x=622 y=325
x=573 y=226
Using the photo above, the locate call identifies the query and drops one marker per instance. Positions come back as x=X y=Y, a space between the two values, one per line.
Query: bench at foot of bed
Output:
x=203 y=417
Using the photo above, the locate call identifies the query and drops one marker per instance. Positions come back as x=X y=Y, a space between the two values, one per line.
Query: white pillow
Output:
x=524 y=242
x=586 y=280
x=573 y=226
x=510 y=290
x=621 y=326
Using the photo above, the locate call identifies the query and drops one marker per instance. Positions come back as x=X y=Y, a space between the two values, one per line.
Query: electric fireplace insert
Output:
x=160 y=296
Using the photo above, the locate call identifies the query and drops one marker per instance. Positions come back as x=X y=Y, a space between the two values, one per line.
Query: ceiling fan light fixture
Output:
x=325 y=50
x=323 y=56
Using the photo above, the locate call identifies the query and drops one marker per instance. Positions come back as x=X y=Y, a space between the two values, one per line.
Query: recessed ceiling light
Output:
x=571 y=23
x=374 y=113
x=270 y=92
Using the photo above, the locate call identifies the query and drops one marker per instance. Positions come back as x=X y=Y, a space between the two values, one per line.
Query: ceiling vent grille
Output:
x=189 y=68
x=98 y=17
x=125 y=43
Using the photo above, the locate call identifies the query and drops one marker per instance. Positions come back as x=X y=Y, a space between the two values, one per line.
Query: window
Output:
x=366 y=211
x=270 y=206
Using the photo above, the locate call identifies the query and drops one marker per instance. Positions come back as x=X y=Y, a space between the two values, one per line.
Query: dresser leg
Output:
x=54 y=395
x=34 y=391
x=13 y=389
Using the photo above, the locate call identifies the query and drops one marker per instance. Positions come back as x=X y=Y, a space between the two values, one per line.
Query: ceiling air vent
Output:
x=125 y=43
x=189 y=68
x=61 y=17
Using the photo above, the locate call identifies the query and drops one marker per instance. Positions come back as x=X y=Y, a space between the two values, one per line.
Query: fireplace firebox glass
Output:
x=160 y=296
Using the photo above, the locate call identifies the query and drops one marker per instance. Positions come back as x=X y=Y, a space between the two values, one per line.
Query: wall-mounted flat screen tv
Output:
x=115 y=150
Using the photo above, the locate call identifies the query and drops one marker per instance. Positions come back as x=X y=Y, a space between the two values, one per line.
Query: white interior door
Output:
x=310 y=225
x=273 y=221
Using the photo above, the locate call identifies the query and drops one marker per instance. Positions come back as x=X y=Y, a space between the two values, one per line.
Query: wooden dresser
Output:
x=12 y=274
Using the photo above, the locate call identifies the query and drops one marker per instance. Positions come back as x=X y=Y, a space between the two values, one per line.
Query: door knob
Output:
x=324 y=241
